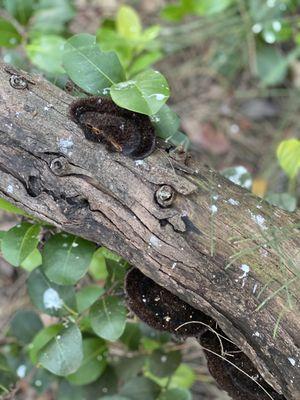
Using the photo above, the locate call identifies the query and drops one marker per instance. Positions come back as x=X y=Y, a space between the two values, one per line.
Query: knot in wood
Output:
x=59 y=166
x=18 y=82
x=165 y=196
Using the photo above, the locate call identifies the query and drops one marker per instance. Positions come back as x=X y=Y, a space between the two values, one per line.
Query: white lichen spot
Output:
x=233 y=202
x=257 y=334
x=255 y=288
x=259 y=206
x=10 y=189
x=154 y=241
x=213 y=209
x=259 y=220
x=246 y=269
x=292 y=361
x=52 y=300
x=21 y=371
x=139 y=162
x=65 y=145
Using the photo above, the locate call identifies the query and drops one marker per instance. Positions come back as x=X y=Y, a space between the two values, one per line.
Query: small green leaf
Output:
x=144 y=61
x=288 y=155
x=97 y=267
x=19 y=242
x=108 y=318
x=41 y=339
x=93 y=363
x=51 y=16
x=210 y=7
x=129 y=367
x=33 y=261
x=272 y=66
x=87 y=296
x=89 y=67
x=146 y=93
x=184 y=377
x=166 y=122
x=48 y=297
x=6 y=206
x=63 y=354
x=131 y=336
x=164 y=364
x=283 y=200
x=128 y=22
x=114 y=397
x=20 y=9
x=9 y=36
x=24 y=325
x=176 y=394
x=140 y=388
x=66 y=258
x=46 y=53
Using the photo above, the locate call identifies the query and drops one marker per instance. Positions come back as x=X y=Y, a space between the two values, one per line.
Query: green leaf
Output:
x=146 y=93
x=51 y=16
x=176 y=394
x=93 y=363
x=140 y=388
x=108 y=318
x=184 y=377
x=41 y=339
x=114 y=397
x=87 y=296
x=19 y=242
x=129 y=367
x=272 y=66
x=46 y=53
x=9 y=36
x=288 y=155
x=63 y=354
x=131 y=336
x=6 y=206
x=66 y=258
x=33 y=261
x=283 y=200
x=97 y=267
x=20 y=9
x=128 y=22
x=166 y=122
x=24 y=325
x=48 y=297
x=144 y=61
x=164 y=364
x=210 y=7
x=89 y=67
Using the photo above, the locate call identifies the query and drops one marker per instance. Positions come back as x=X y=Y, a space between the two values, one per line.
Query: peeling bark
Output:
x=215 y=245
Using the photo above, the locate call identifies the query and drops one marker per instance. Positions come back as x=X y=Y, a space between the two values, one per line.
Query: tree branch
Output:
x=215 y=245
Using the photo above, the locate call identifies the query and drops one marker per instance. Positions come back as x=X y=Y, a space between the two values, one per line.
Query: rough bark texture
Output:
x=217 y=247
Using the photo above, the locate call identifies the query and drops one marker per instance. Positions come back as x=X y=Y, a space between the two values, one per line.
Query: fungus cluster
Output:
x=121 y=130
x=230 y=367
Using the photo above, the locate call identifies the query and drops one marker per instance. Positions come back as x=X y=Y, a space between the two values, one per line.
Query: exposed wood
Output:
x=217 y=247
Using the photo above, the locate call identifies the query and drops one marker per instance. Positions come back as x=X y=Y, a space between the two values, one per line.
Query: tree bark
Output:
x=214 y=245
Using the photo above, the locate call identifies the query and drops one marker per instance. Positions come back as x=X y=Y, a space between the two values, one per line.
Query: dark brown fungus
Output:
x=161 y=309
x=230 y=367
x=120 y=130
